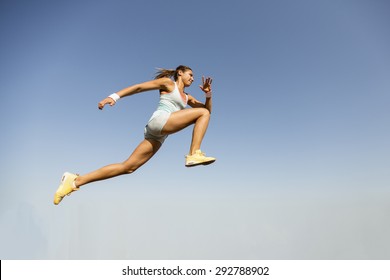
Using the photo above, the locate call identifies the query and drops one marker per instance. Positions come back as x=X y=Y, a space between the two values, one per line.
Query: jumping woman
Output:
x=170 y=117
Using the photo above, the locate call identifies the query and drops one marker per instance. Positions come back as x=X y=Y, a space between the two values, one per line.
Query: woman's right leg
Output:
x=145 y=150
x=183 y=118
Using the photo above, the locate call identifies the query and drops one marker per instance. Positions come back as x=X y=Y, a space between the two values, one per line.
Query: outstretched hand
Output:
x=206 y=84
x=107 y=100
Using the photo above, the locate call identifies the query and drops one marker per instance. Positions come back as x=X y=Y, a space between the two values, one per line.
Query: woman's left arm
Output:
x=206 y=88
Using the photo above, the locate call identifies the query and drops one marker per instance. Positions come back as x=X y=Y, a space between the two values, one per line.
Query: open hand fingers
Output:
x=206 y=84
x=207 y=81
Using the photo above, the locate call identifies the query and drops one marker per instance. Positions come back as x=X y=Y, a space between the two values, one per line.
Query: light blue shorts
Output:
x=155 y=125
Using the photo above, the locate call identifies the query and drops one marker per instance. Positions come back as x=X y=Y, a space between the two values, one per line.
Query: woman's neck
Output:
x=180 y=85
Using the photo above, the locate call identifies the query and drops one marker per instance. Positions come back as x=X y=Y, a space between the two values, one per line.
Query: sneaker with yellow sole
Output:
x=66 y=187
x=198 y=158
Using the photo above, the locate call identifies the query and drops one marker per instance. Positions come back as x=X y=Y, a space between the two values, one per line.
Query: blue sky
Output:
x=299 y=127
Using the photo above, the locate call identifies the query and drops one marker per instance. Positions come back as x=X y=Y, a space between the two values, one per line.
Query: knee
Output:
x=204 y=112
x=128 y=169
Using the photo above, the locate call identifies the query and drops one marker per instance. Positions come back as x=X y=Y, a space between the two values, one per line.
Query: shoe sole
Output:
x=201 y=163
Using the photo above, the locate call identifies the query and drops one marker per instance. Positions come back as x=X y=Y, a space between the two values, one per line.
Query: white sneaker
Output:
x=66 y=187
x=198 y=158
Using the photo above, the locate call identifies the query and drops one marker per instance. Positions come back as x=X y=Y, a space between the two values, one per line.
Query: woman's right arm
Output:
x=163 y=84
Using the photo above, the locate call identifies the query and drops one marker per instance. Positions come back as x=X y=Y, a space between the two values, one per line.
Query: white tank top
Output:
x=172 y=101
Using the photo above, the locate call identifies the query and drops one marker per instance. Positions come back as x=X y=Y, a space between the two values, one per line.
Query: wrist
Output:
x=208 y=94
x=114 y=97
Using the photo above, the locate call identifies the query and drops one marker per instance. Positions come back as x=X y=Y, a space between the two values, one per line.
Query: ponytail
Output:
x=164 y=73
x=169 y=73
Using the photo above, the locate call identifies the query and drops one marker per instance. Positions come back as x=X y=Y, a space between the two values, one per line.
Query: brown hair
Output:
x=167 y=73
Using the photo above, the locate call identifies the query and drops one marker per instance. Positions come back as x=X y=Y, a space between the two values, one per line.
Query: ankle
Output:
x=193 y=151
x=76 y=183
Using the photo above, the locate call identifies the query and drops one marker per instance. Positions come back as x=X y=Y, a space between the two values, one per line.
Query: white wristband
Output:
x=114 y=97
x=208 y=94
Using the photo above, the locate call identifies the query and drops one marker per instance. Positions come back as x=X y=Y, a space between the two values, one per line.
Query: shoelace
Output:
x=201 y=153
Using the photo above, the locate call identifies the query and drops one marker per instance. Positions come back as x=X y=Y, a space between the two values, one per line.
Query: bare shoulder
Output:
x=166 y=85
x=190 y=97
x=166 y=81
x=162 y=84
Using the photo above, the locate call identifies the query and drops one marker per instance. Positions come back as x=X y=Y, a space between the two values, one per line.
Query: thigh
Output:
x=181 y=119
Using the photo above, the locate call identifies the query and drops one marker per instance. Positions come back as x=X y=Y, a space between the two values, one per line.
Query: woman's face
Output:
x=187 y=77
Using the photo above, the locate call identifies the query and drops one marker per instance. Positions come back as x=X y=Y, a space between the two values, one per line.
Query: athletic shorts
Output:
x=155 y=125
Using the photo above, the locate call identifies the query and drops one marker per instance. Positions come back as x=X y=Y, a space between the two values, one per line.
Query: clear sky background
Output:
x=300 y=128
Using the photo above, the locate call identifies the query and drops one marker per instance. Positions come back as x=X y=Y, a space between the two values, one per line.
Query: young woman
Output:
x=170 y=117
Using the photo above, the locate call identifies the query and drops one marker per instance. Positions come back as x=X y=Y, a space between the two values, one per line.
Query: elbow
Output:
x=209 y=107
x=138 y=88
